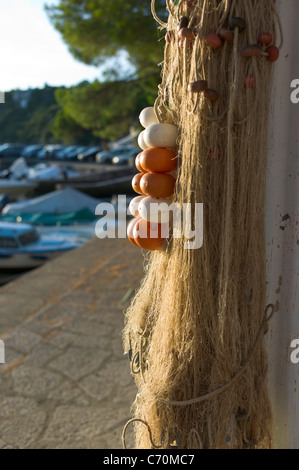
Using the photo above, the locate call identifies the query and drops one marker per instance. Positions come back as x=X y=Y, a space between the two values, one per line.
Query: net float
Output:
x=137 y=163
x=237 y=22
x=141 y=142
x=147 y=235
x=155 y=210
x=184 y=21
x=130 y=228
x=136 y=183
x=148 y=117
x=198 y=86
x=226 y=35
x=273 y=53
x=187 y=33
x=249 y=81
x=161 y=135
x=211 y=95
x=265 y=39
x=252 y=50
x=133 y=206
x=158 y=185
x=213 y=40
x=158 y=160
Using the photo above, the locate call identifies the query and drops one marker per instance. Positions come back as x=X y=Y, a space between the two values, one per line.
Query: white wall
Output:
x=283 y=245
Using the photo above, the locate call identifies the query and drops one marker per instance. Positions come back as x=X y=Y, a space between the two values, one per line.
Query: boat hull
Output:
x=25 y=261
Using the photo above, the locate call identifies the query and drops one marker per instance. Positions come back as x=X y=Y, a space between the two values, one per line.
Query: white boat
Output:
x=22 y=247
x=19 y=171
x=44 y=172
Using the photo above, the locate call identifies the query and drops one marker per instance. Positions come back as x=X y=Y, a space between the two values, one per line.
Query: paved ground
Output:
x=66 y=383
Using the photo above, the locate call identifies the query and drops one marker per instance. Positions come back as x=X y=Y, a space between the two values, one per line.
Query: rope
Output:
x=263 y=329
x=279 y=24
x=149 y=433
x=164 y=25
x=190 y=299
x=224 y=387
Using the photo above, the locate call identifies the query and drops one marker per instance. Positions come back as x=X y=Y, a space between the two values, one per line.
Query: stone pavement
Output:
x=66 y=383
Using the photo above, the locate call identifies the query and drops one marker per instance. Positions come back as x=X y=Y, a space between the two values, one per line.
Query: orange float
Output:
x=159 y=160
x=136 y=183
x=130 y=228
x=214 y=40
x=160 y=185
x=226 y=35
x=273 y=53
x=147 y=235
x=137 y=163
x=265 y=39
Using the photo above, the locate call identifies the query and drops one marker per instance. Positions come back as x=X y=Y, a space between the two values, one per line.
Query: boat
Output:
x=23 y=248
x=44 y=172
x=63 y=207
x=111 y=183
x=42 y=177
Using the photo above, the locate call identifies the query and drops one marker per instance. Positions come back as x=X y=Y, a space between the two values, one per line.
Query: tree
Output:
x=68 y=131
x=107 y=110
x=27 y=116
x=97 y=29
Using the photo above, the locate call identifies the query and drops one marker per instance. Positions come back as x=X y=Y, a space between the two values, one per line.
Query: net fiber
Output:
x=195 y=319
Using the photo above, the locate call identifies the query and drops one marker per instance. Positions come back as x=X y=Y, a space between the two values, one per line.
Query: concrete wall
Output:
x=282 y=236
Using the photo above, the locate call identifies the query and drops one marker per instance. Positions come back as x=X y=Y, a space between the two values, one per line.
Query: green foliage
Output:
x=27 y=116
x=97 y=29
x=108 y=109
x=34 y=117
x=66 y=130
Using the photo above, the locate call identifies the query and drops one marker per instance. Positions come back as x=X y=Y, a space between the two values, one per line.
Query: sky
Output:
x=32 y=51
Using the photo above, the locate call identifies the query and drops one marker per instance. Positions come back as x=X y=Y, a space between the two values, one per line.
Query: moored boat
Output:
x=22 y=247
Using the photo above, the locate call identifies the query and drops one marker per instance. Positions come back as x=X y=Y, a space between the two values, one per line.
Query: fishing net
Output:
x=195 y=328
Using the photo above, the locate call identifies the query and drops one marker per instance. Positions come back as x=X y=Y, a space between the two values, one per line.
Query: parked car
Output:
x=107 y=157
x=126 y=158
x=49 y=151
x=31 y=151
x=11 y=150
x=89 y=155
x=64 y=151
x=75 y=152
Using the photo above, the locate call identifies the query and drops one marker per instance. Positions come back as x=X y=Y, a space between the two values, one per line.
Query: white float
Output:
x=155 y=210
x=148 y=117
x=133 y=206
x=161 y=135
x=141 y=142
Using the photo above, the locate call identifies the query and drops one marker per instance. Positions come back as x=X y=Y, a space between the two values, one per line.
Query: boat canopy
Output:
x=64 y=207
x=56 y=202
